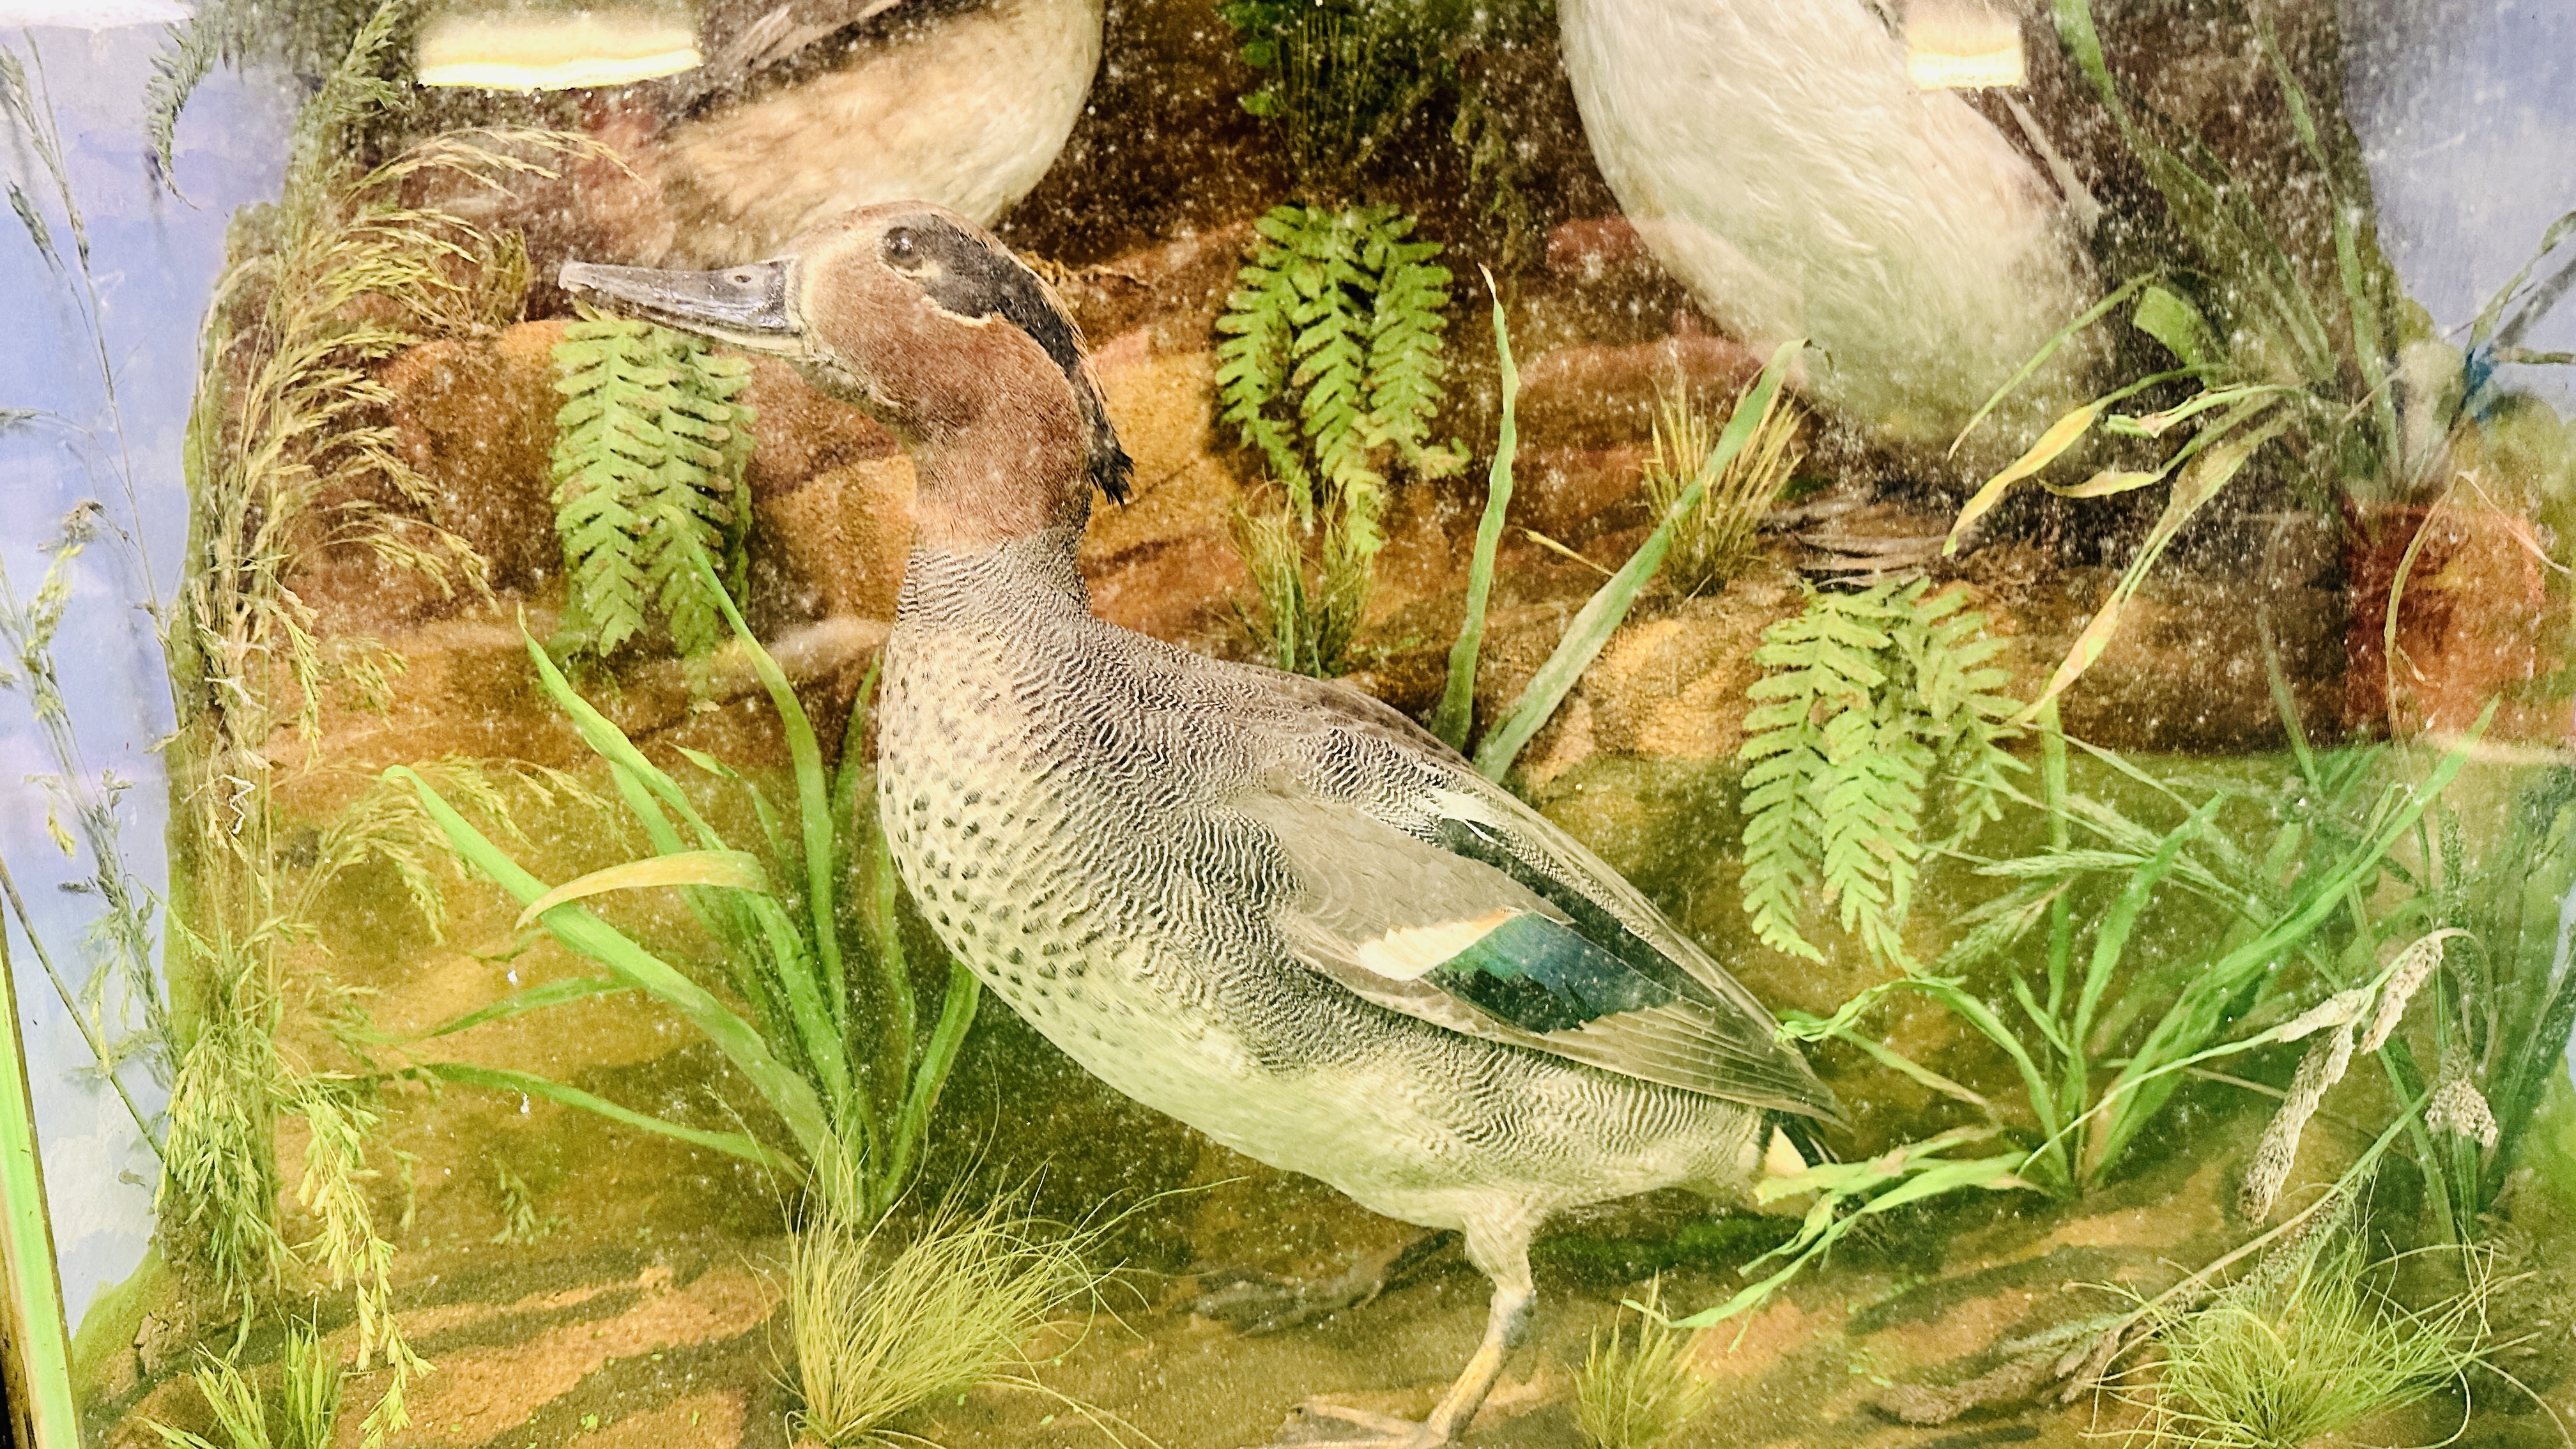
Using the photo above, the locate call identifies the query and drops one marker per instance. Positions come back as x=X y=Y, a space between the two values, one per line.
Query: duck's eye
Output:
x=902 y=249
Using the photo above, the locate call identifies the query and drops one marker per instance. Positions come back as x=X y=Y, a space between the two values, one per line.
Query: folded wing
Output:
x=1482 y=919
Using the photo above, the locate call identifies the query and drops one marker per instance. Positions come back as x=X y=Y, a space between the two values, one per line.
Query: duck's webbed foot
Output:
x=1317 y=1424
x=1254 y=1304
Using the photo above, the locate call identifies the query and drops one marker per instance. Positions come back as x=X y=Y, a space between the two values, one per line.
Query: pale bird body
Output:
x=802 y=110
x=1267 y=905
x=966 y=107
x=1779 y=159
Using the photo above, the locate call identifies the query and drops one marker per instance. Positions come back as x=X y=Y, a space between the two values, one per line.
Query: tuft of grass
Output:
x=2280 y=1359
x=1331 y=363
x=845 y=1065
x=882 y=1327
x=303 y=1416
x=520 y=1220
x=1607 y=609
x=1714 y=541
x=1636 y=1389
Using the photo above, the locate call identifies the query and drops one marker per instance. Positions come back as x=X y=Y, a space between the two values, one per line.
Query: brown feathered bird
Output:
x=805 y=109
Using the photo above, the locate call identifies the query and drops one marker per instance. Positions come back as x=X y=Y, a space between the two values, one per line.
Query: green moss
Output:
x=115 y=1319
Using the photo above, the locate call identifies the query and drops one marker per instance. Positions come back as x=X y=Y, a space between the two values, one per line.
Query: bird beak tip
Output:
x=746 y=307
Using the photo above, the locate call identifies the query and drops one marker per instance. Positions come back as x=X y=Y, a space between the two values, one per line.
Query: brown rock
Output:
x=1593 y=247
x=1673 y=687
x=835 y=544
x=1604 y=395
x=476 y=417
x=1669 y=685
x=1561 y=491
x=471 y=690
x=1173 y=291
x=2186 y=670
x=1165 y=562
x=466 y=689
x=2471 y=606
x=799 y=434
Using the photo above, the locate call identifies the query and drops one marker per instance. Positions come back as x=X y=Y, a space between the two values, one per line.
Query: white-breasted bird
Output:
x=1267 y=905
x=1783 y=163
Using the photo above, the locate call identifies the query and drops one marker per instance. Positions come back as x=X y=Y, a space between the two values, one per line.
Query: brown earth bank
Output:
x=609 y=1331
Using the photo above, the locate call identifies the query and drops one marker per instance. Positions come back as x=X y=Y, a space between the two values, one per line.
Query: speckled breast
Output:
x=1027 y=832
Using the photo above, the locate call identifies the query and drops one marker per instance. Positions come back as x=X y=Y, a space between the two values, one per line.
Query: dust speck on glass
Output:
x=1199 y=724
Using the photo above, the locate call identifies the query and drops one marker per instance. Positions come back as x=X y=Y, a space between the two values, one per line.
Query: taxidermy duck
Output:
x=803 y=109
x=1785 y=164
x=809 y=108
x=1267 y=905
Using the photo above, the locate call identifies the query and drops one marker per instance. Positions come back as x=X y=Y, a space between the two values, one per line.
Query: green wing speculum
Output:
x=1498 y=930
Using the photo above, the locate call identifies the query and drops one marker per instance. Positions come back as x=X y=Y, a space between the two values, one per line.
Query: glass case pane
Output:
x=1220 y=722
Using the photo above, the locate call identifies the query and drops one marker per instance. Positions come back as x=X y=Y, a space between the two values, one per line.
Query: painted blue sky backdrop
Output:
x=2467 y=115
x=155 y=257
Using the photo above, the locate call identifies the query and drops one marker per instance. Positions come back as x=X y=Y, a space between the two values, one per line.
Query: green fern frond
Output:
x=1780 y=841
x=1330 y=350
x=1875 y=708
x=1410 y=313
x=650 y=448
x=1329 y=364
x=1253 y=355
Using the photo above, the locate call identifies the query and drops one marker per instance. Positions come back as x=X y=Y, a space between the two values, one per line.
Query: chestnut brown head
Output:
x=936 y=330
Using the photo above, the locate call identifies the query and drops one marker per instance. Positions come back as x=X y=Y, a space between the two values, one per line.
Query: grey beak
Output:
x=746 y=306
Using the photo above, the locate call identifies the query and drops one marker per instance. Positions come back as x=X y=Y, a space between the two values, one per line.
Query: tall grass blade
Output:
x=2361 y=297
x=501 y=1079
x=786 y=1092
x=535 y=998
x=1608 y=608
x=2178 y=325
x=35 y=1307
x=2063 y=434
x=2201 y=480
x=813 y=787
x=1848 y=1194
x=2485 y=328
x=1455 y=716
x=729 y=869
x=2147 y=1080
x=646 y=789
x=2047 y=350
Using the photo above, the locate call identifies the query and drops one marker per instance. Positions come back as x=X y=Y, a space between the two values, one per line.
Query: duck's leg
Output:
x=1505 y=1258
x=1505 y=1317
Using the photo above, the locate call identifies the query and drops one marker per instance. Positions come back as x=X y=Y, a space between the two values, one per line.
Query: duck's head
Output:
x=930 y=325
